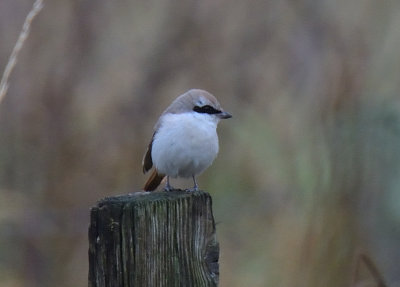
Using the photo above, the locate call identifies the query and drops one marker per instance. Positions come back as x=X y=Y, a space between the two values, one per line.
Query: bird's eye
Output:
x=206 y=110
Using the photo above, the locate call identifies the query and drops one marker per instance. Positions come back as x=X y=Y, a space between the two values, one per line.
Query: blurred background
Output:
x=307 y=178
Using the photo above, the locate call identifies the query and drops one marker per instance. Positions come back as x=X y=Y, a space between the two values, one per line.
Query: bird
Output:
x=185 y=140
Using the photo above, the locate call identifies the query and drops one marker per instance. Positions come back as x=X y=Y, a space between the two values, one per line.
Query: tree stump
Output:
x=153 y=239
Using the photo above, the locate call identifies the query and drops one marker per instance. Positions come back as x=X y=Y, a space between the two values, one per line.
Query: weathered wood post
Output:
x=153 y=239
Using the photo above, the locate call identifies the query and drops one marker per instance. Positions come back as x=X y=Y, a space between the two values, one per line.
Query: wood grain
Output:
x=153 y=239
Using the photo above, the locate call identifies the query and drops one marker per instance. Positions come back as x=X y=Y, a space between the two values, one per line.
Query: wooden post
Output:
x=153 y=239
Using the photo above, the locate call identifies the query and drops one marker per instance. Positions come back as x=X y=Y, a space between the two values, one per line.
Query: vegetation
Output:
x=306 y=183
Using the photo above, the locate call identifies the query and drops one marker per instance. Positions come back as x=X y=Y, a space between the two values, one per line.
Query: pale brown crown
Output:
x=194 y=97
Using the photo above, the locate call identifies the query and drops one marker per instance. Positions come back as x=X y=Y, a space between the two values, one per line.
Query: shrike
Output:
x=185 y=140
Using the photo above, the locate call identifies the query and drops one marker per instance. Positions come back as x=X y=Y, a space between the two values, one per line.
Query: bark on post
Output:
x=153 y=239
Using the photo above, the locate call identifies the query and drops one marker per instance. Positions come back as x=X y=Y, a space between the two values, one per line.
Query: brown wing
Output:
x=147 y=162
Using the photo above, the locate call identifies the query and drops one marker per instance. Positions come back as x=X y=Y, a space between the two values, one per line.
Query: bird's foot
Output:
x=195 y=188
x=168 y=188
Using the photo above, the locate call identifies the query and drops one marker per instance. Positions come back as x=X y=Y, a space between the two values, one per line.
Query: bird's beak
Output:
x=224 y=115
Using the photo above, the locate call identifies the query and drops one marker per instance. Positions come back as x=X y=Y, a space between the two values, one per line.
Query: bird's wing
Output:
x=147 y=162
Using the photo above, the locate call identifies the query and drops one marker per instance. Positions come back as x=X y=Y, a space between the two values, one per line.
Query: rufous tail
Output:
x=154 y=181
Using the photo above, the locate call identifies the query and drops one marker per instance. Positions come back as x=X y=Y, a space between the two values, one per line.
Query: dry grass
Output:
x=307 y=172
x=373 y=273
x=37 y=6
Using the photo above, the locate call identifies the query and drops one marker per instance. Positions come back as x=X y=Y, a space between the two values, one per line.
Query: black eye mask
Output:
x=206 y=110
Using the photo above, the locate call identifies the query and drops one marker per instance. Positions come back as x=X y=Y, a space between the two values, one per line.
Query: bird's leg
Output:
x=195 y=187
x=168 y=187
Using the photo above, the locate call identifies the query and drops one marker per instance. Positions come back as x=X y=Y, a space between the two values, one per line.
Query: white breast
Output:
x=185 y=144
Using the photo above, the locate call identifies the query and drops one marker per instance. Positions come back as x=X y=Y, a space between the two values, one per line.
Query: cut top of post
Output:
x=153 y=239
